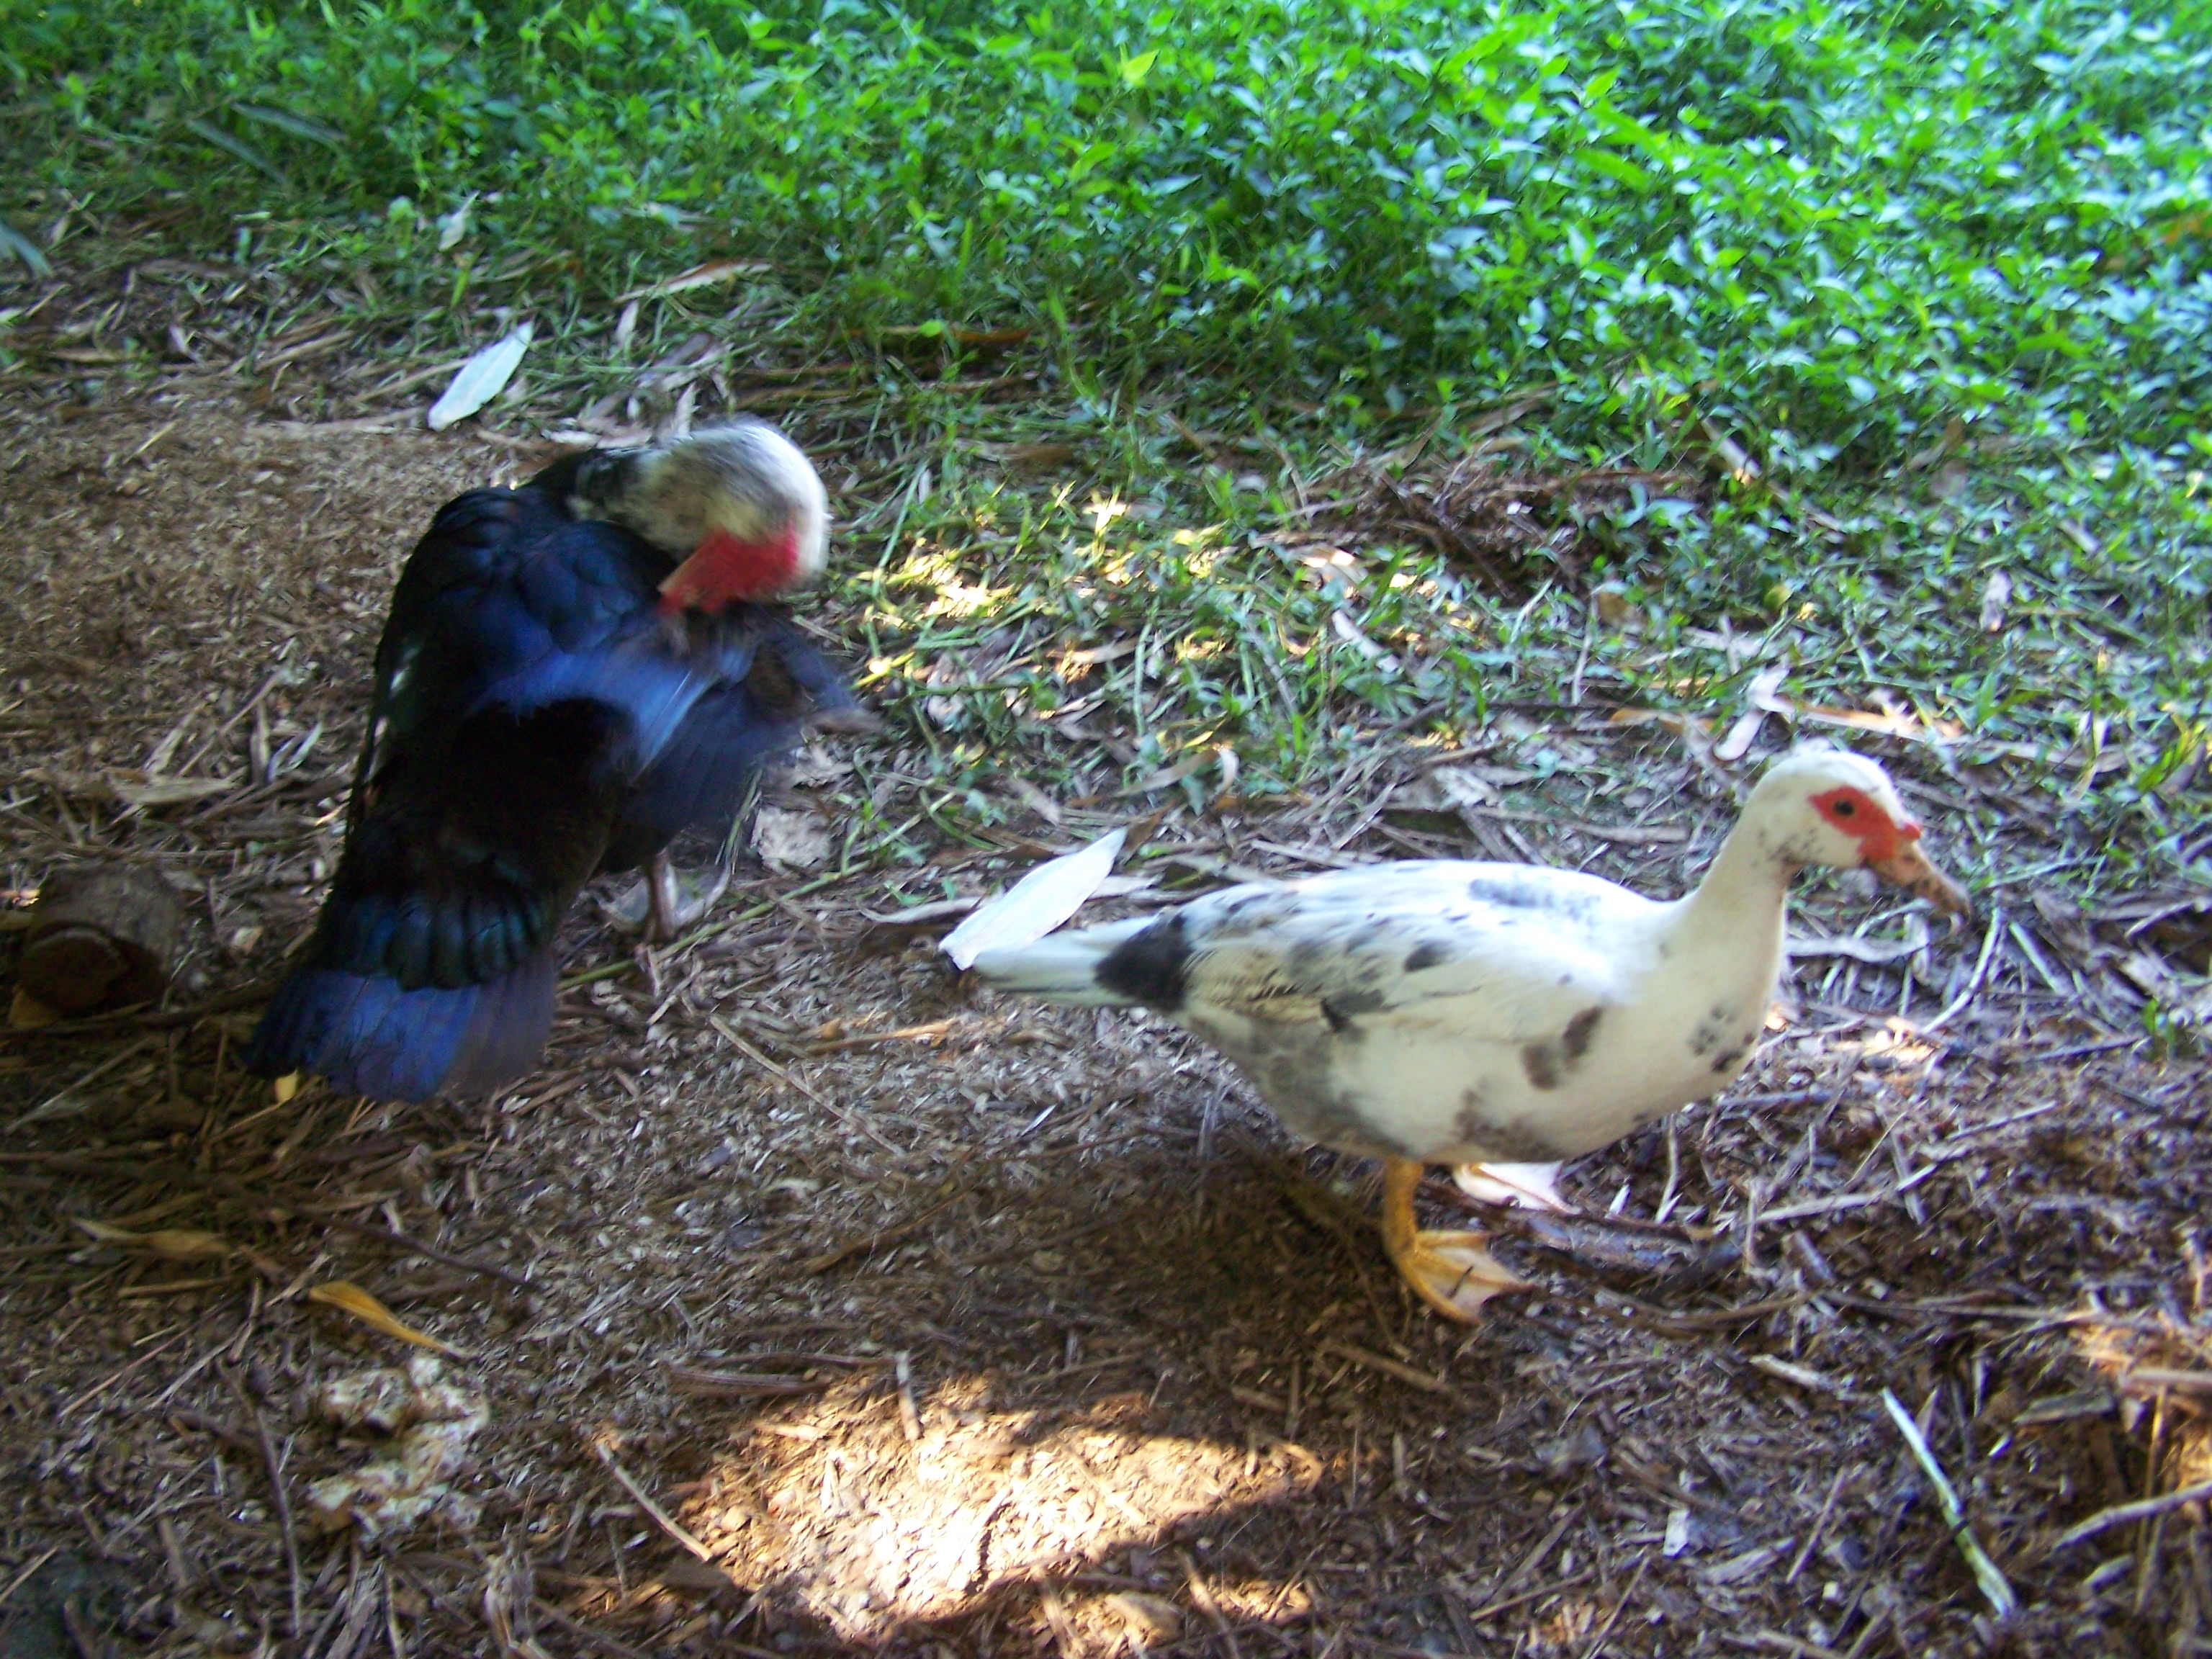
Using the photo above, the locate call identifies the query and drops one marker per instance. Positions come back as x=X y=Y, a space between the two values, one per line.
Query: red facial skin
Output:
x=1853 y=811
x=723 y=568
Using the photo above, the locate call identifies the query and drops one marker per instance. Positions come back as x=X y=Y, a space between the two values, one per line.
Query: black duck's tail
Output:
x=368 y=1036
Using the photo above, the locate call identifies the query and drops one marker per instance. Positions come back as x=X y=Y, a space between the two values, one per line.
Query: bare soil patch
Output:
x=943 y=1325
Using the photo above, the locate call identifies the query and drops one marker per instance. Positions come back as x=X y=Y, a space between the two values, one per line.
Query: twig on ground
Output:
x=1820 y=1522
x=1375 y=1362
x=1597 y=1642
x=18 y=1580
x=1492 y=1609
x=1989 y=937
x=275 y=1466
x=659 y=1517
x=602 y=1640
x=2121 y=1514
x=1202 y=1594
x=1993 y=1586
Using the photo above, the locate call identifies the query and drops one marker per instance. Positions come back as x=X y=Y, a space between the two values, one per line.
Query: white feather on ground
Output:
x=1035 y=904
x=480 y=380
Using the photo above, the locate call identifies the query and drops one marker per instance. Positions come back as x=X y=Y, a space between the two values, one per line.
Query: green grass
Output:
x=1853 y=221
x=1940 y=268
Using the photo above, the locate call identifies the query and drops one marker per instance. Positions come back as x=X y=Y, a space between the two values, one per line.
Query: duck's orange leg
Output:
x=1452 y=1272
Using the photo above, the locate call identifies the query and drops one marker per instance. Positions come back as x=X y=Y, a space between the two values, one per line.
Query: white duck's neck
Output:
x=1743 y=899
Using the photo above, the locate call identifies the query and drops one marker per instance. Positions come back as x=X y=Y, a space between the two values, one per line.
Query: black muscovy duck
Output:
x=574 y=672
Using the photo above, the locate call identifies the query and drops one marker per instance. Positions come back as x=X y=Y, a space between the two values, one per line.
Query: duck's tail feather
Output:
x=1063 y=967
x=368 y=1036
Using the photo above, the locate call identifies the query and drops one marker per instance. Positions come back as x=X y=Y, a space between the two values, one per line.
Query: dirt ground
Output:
x=810 y=1304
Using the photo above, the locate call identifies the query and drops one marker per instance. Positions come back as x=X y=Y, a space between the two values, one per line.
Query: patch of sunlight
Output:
x=1202 y=549
x=939 y=568
x=1898 y=1041
x=926 y=567
x=955 y=598
x=1328 y=564
x=867 y=1527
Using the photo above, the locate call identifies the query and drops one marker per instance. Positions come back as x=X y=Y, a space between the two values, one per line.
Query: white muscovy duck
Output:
x=1446 y=1011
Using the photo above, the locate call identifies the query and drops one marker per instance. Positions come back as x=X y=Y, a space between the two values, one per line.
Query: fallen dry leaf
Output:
x=1996 y=594
x=124 y=787
x=349 y=1297
x=1614 y=608
x=947 y=670
x=1759 y=701
x=1876 y=952
x=706 y=275
x=1035 y=800
x=1351 y=634
x=171 y=1243
x=815 y=766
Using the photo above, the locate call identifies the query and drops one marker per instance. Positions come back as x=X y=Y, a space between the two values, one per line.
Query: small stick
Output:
x=235 y=1439
x=782 y=1075
x=1375 y=1362
x=16 y=1583
x=604 y=1641
x=1491 y=1609
x=408 y=1241
x=85 y=1639
x=909 y=1414
x=276 y=1468
x=56 y=1104
x=1974 y=980
x=1992 y=1582
x=2147 y=1563
x=114 y=1377
x=1202 y=1594
x=661 y=1517
x=872 y=1241
x=2121 y=1514
x=869 y=1241
x=1528 y=1564
x=1782 y=1642
x=1611 y=1618
x=2150 y=1477
x=1674 y=1170
x=391 y=1636
x=222 y=731
x=1820 y=1521
x=347 y=1224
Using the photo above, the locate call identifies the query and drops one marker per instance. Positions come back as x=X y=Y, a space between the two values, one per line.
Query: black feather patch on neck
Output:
x=1150 y=967
x=589 y=483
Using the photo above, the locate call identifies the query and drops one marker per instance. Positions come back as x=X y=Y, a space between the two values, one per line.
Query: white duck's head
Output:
x=1822 y=806
x=737 y=504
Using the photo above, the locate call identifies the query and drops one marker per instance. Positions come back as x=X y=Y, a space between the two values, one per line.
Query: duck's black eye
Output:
x=1844 y=809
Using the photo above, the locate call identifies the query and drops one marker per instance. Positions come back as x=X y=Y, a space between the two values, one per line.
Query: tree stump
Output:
x=100 y=935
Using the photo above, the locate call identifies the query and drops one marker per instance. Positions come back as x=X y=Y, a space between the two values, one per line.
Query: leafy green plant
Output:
x=1824 y=218
x=1928 y=279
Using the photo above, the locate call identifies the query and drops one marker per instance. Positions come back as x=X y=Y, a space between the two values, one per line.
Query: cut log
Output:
x=100 y=935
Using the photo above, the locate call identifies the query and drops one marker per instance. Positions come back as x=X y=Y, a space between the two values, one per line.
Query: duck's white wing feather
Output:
x=1506 y=953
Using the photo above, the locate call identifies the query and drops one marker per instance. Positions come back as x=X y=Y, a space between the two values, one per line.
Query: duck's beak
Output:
x=1912 y=869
